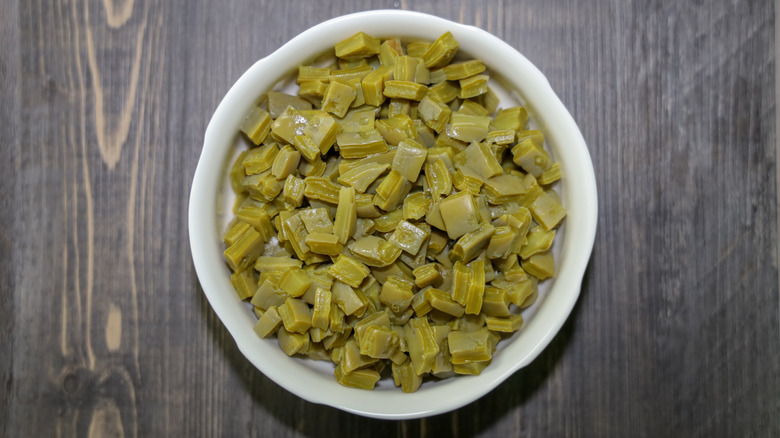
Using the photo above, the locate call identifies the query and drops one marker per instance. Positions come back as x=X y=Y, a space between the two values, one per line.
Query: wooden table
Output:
x=104 y=330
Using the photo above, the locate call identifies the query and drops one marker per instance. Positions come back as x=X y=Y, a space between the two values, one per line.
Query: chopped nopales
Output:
x=463 y=70
x=324 y=243
x=438 y=178
x=473 y=86
x=362 y=177
x=360 y=144
x=405 y=90
x=278 y=102
x=434 y=112
x=415 y=206
x=348 y=270
x=390 y=214
x=257 y=125
x=409 y=159
x=468 y=128
x=357 y=46
x=459 y=214
x=409 y=237
x=346 y=215
x=441 y=51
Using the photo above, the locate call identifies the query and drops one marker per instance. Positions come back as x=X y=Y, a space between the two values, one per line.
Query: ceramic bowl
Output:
x=515 y=80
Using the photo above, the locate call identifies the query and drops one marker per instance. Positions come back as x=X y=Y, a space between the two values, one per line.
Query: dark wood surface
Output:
x=104 y=330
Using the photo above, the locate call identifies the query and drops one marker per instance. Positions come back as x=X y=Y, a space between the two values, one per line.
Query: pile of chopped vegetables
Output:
x=390 y=218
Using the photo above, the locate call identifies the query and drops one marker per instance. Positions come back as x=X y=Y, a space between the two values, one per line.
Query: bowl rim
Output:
x=206 y=243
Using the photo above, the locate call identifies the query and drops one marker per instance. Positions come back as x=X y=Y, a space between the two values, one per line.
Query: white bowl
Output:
x=516 y=80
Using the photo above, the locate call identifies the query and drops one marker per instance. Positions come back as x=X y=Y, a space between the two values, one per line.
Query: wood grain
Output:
x=9 y=113
x=104 y=330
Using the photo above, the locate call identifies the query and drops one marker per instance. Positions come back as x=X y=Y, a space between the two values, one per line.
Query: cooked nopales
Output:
x=390 y=218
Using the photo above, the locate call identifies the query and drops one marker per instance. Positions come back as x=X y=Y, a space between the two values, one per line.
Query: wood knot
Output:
x=71 y=383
